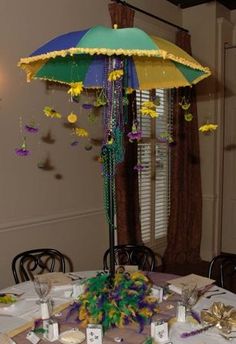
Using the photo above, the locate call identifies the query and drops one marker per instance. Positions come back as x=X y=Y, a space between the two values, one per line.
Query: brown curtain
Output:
x=185 y=223
x=128 y=223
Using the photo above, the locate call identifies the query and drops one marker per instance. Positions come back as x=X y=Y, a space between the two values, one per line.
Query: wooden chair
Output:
x=33 y=262
x=139 y=255
x=222 y=269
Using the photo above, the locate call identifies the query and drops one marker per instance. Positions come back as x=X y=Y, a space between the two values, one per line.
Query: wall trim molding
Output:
x=45 y=220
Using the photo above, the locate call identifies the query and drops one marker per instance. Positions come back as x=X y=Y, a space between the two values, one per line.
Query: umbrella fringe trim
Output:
x=103 y=51
x=143 y=87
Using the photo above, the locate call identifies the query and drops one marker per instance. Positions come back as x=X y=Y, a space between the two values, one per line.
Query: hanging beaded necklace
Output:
x=112 y=151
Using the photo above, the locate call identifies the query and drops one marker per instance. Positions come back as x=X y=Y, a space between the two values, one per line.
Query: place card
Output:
x=32 y=337
x=94 y=334
x=126 y=268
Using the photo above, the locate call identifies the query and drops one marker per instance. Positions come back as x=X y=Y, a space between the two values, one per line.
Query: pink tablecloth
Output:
x=129 y=334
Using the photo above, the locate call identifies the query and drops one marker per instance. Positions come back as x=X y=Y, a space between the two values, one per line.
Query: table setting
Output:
x=83 y=308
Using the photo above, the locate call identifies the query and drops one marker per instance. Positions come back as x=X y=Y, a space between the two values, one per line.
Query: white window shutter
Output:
x=154 y=178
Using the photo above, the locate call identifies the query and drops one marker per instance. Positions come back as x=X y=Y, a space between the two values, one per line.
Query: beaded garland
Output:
x=113 y=111
x=108 y=164
x=113 y=125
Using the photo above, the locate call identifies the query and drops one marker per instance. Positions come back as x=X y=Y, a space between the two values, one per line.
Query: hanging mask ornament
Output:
x=135 y=134
x=22 y=151
x=51 y=113
x=72 y=118
x=148 y=108
x=31 y=128
x=139 y=167
x=101 y=99
x=208 y=128
x=129 y=90
x=166 y=137
x=75 y=89
x=185 y=106
x=115 y=75
x=92 y=118
x=157 y=100
x=87 y=106
x=81 y=132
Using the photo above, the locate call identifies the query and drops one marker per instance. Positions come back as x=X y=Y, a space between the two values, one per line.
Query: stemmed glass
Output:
x=189 y=296
x=42 y=288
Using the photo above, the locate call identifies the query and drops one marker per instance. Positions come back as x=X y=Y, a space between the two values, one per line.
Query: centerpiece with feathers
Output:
x=124 y=300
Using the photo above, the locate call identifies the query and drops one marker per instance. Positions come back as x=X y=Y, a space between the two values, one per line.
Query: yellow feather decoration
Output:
x=81 y=132
x=50 y=112
x=208 y=128
x=148 y=104
x=115 y=75
x=148 y=112
x=129 y=90
x=75 y=89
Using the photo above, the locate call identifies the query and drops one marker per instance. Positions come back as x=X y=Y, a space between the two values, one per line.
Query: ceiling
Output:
x=230 y=4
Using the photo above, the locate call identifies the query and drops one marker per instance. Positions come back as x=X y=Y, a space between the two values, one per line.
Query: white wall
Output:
x=35 y=208
x=159 y=8
x=208 y=38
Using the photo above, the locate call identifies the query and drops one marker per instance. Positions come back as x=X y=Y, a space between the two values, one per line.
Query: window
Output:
x=154 y=157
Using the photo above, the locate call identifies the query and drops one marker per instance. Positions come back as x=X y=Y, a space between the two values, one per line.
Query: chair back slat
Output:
x=38 y=261
x=139 y=255
x=222 y=269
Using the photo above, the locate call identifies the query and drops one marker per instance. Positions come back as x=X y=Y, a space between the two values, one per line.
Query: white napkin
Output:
x=10 y=323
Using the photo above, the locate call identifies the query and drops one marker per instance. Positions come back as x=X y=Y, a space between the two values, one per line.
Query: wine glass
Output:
x=189 y=296
x=42 y=288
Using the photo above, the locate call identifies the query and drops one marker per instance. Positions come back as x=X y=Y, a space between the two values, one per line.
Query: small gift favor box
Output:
x=157 y=292
x=94 y=334
x=45 y=312
x=181 y=312
x=159 y=331
x=52 y=332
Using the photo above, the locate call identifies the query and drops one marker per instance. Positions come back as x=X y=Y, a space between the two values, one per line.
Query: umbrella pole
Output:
x=109 y=179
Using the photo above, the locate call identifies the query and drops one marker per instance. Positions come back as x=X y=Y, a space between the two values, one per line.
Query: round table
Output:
x=130 y=334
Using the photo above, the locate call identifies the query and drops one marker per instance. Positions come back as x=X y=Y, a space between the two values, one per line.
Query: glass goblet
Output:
x=189 y=296
x=42 y=288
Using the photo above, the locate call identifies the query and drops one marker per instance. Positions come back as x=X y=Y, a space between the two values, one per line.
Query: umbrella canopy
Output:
x=151 y=62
